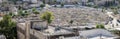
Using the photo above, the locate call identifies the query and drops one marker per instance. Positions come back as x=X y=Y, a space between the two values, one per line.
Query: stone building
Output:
x=35 y=29
x=61 y=1
x=31 y=1
x=23 y=30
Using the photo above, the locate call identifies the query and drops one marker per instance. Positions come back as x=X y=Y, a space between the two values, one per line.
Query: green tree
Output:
x=62 y=4
x=55 y=3
x=23 y=14
x=43 y=1
x=35 y=11
x=115 y=11
x=47 y=16
x=11 y=14
x=71 y=22
x=20 y=12
x=8 y=27
x=95 y=6
x=42 y=5
x=13 y=1
x=26 y=13
x=101 y=26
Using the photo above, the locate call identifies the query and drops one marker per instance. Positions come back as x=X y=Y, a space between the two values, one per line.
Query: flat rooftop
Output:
x=51 y=31
x=95 y=33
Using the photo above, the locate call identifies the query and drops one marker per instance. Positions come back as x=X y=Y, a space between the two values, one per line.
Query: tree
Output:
x=43 y=1
x=13 y=1
x=23 y=14
x=71 y=22
x=11 y=14
x=62 y=4
x=26 y=13
x=90 y=0
x=101 y=26
x=95 y=6
x=110 y=3
x=115 y=11
x=55 y=3
x=20 y=12
x=8 y=27
x=47 y=16
x=103 y=9
x=42 y=5
x=35 y=11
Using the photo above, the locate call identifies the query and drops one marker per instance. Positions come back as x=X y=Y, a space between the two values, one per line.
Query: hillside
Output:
x=80 y=16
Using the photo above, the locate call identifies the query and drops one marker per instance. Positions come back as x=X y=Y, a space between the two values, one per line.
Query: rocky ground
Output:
x=80 y=16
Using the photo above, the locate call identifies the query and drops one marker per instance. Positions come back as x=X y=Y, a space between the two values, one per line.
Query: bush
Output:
x=101 y=26
x=36 y=12
x=42 y=5
x=87 y=28
x=47 y=16
x=62 y=4
x=8 y=27
x=95 y=6
x=71 y=21
x=115 y=11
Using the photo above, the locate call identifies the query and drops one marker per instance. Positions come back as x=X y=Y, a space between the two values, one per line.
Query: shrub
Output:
x=101 y=26
x=62 y=4
x=42 y=5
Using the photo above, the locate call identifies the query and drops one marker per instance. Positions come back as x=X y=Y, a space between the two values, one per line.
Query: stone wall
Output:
x=23 y=30
x=37 y=35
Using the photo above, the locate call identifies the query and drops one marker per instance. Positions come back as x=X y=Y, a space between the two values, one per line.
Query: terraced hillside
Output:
x=80 y=16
